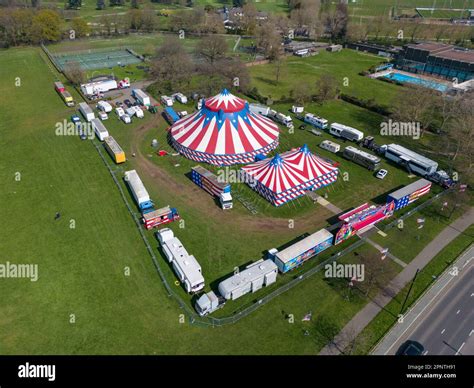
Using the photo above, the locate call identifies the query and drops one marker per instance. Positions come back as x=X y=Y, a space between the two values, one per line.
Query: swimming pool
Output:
x=403 y=78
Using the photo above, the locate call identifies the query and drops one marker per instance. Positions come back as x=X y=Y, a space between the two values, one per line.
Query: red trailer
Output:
x=59 y=87
x=160 y=217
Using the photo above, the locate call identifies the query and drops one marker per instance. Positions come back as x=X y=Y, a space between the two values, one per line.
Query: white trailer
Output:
x=130 y=111
x=167 y=101
x=281 y=118
x=315 y=121
x=346 y=132
x=259 y=109
x=185 y=266
x=104 y=106
x=139 y=192
x=330 y=146
x=138 y=112
x=180 y=97
x=414 y=162
x=92 y=88
x=86 y=111
x=141 y=97
x=253 y=278
x=297 y=109
x=99 y=129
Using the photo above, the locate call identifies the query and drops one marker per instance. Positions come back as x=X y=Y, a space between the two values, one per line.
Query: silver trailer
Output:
x=253 y=278
x=414 y=162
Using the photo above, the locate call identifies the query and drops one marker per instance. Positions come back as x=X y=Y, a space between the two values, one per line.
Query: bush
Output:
x=367 y=104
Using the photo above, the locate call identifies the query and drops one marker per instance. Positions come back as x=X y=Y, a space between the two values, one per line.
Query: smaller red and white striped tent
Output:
x=288 y=176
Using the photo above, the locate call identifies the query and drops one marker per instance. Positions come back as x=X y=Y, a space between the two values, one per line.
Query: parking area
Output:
x=115 y=96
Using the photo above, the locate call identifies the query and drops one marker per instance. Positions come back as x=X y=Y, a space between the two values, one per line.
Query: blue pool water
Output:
x=403 y=78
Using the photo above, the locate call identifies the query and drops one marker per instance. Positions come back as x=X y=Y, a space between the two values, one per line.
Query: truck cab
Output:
x=225 y=200
x=208 y=303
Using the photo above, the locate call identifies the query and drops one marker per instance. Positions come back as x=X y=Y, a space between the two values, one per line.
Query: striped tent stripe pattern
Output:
x=288 y=176
x=224 y=132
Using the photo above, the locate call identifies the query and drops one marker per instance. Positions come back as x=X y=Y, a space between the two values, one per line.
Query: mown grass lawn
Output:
x=407 y=240
x=81 y=269
x=344 y=66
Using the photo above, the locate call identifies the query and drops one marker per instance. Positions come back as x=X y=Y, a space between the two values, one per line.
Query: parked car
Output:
x=381 y=174
x=120 y=112
x=126 y=119
x=119 y=104
x=103 y=116
x=128 y=103
x=411 y=348
x=76 y=120
x=82 y=130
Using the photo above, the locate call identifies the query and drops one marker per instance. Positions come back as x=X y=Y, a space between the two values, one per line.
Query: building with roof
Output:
x=224 y=132
x=290 y=175
x=438 y=59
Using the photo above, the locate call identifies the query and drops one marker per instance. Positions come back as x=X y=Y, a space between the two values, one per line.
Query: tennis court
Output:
x=92 y=60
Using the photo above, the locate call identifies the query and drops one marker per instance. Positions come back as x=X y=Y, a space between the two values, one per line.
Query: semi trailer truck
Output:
x=210 y=183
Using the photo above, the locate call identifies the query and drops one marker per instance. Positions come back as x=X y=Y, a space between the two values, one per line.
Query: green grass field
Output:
x=443 y=14
x=81 y=270
x=307 y=70
x=371 y=8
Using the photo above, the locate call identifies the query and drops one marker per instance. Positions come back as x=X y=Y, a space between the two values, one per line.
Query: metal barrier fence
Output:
x=236 y=316
x=51 y=58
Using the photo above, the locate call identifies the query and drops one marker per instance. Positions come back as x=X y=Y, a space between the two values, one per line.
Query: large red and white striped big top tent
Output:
x=224 y=132
x=288 y=176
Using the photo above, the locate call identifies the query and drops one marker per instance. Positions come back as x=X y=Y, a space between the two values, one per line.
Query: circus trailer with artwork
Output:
x=289 y=175
x=301 y=251
x=361 y=219
x=410 y=193
x=223 y=132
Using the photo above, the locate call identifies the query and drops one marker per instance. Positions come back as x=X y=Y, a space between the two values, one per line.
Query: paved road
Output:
x=370 y=311
x=443 y=319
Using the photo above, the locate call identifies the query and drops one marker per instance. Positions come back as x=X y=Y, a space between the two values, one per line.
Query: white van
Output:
x=104 y=106
x=167 y=101
x=126 y=119
x=138 y=112
x=330 y=146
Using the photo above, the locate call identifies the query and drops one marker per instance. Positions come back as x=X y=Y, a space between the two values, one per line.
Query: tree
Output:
x=336 y=22
x=106 y=23
x=377 y=273
x=326 y=88
x=80 y=27
x=116 y=3
x=15 y=25
x=46 y=26
x=100 y=4
x=300 y=93
x=172 y=67
x=248 y=22
x=74 y=73
x=149 y=19
x=212 y=48
x=356 y=32
x=415 y=104
x=269 y=41
x=134 y=4
x=135 y=20
x=74 y=4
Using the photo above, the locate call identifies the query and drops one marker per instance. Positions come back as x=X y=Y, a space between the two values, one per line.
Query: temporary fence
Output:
x=245 y=311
